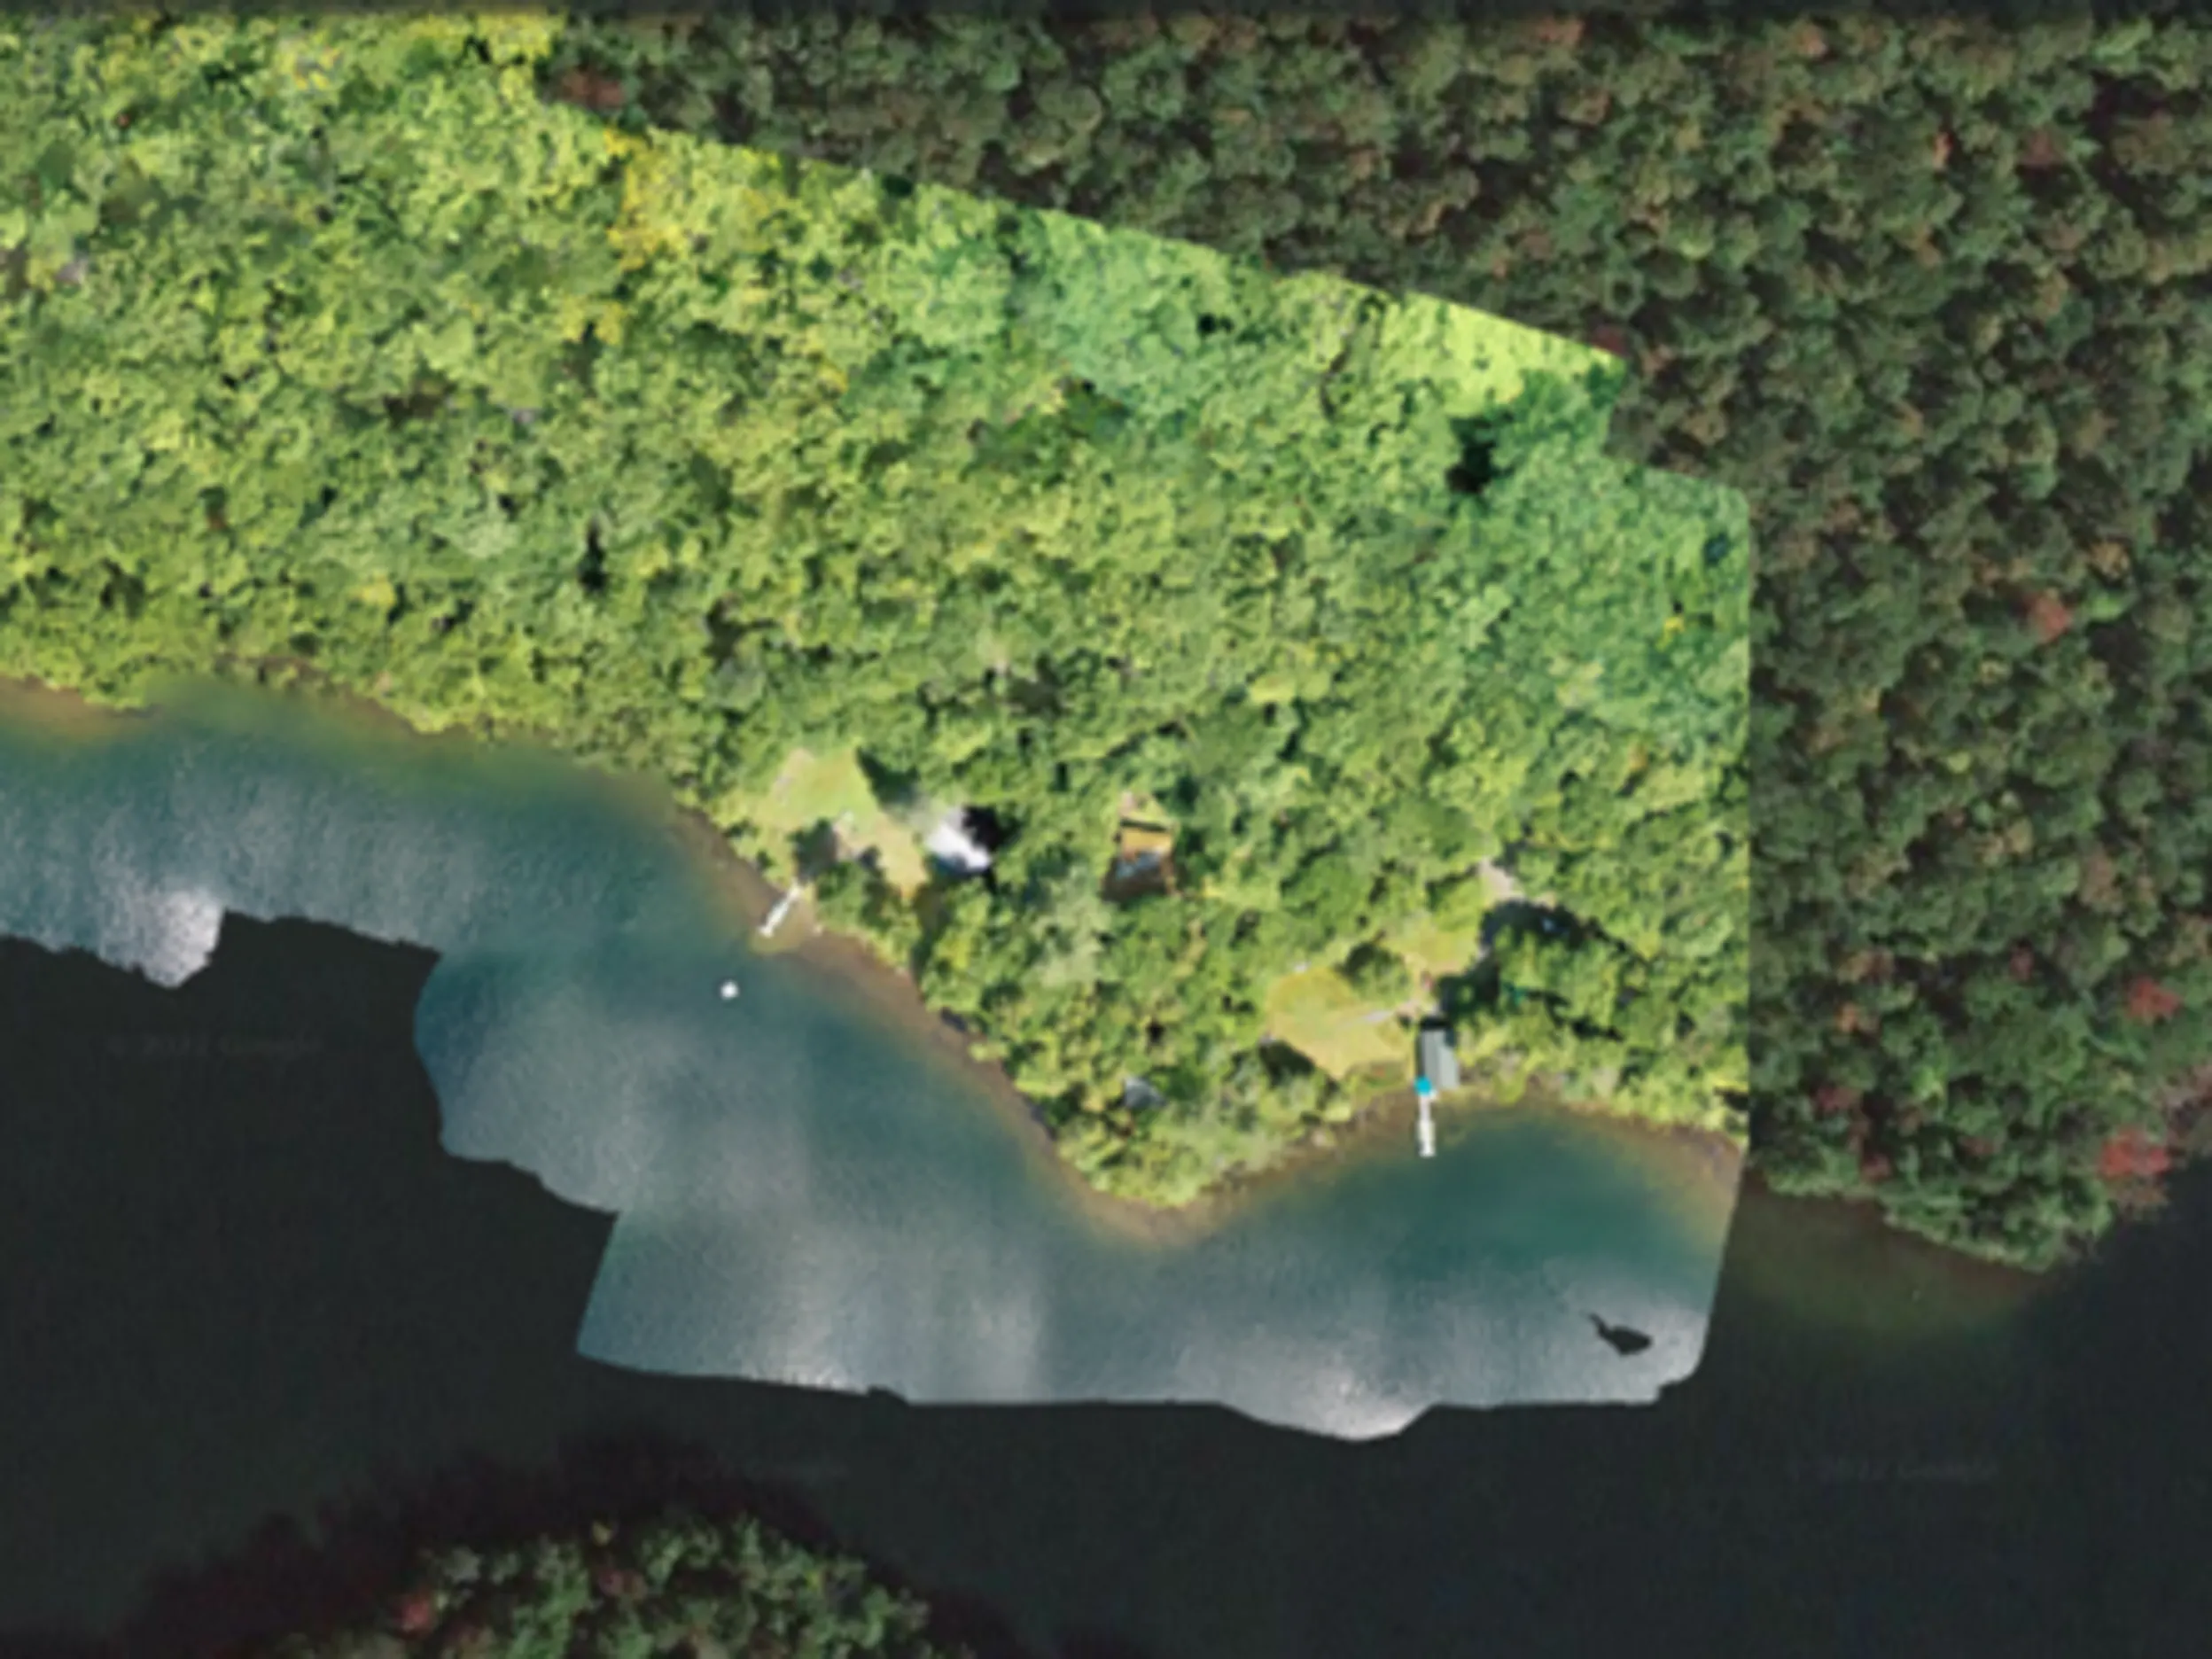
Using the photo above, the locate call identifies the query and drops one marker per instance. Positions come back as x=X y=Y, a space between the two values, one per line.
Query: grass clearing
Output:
x=1430 y=947
x=832 y=788
x=1317 y=1012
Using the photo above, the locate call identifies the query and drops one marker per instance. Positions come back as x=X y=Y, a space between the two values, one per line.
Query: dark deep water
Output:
x=802 y=1198
x=252 y=1287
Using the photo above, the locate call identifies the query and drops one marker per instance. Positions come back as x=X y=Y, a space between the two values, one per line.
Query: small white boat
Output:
x=730 y=989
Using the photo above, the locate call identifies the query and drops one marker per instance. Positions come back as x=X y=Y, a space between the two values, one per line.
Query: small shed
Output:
x=1438 y=1064
x=1143 y=860
x=1140 y=1095
x=1143 y=846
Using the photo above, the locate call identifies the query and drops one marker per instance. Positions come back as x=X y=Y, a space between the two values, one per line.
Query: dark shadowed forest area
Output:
x=1933 y=296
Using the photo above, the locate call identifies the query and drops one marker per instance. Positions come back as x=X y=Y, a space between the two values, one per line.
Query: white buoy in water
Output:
x=729 y=989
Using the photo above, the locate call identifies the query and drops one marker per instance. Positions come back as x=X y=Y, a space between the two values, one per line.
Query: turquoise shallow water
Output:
x=800 y=1198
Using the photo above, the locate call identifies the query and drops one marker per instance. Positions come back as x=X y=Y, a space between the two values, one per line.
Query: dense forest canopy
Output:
x=1932 y=295
x=676 y=1582
x=342 y=345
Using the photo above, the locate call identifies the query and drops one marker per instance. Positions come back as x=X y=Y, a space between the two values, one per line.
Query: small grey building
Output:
x=1140 y=1095
x=1438 y=1063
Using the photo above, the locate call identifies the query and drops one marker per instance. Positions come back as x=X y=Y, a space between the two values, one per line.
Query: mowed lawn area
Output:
x=832 y=788
x=1314 y=1009
x=1316 y=1012
x=1322 y=1015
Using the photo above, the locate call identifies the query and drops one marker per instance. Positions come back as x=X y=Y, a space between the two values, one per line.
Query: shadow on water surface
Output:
x=1620 y=1338
x=247 y=1294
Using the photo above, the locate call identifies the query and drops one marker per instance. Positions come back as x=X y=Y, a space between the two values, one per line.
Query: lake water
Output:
x=263 y=1334
x=805 y=1192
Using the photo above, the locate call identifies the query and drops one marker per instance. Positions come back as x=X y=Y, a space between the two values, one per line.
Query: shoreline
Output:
x=1835 y=1265
x=1701 y=1168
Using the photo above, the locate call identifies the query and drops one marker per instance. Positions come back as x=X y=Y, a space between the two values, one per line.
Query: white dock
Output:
x=783 y=909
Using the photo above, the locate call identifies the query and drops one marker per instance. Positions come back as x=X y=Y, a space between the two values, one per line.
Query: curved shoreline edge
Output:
x=1703 y=1169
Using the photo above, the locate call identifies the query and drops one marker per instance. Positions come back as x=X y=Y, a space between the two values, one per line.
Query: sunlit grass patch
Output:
x=833 y=788
x=1430 y=948
x=1317 y=1011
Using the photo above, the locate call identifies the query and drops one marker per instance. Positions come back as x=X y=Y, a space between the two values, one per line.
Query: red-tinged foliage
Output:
x=2133 y=1154
x=2149 y=1001
x=2048 y=616
x=1831 y=1099
x=1851 y=1017
x=1874 y=1168
x=1878 y=967
x=624 y=1583
x=1610 y=336
x=416 y=1614
x=1803 y=435
x=588 y=89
